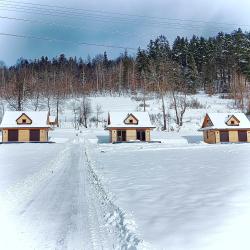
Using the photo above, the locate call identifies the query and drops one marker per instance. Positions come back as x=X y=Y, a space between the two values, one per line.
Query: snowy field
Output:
x=181 y=196
x=192 y=117
x=82 y=193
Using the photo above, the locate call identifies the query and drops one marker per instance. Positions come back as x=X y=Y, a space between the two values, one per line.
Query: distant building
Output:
x=25 y=126
x=129 y=126
x=53 y=121
x=226 y=127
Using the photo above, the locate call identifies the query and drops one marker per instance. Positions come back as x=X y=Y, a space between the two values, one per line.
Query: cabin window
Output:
x=130 y=121
x=140 y=135
x=121 y=135
x=24 y=120
x=232 y=123
x=207 y=134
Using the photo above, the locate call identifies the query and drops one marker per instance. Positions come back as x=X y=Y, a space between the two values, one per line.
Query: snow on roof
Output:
x=39 y=119
x=219 y=121
x=117 y=120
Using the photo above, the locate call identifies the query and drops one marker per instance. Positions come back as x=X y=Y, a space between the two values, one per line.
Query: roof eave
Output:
x=231 y=128
x=128 y=127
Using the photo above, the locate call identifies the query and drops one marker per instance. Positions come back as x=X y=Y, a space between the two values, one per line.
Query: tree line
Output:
x=219 y=64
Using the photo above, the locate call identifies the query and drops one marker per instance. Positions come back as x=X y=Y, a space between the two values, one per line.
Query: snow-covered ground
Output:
x=180 y=195
x=192 y=117
x=84 y=193
x=50 y=198
x=44 y=199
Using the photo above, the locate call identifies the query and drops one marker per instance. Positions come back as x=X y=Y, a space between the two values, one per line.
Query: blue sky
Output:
x=111 y=29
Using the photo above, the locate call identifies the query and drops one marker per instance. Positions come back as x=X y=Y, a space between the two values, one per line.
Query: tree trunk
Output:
x=57 y=111
x=163 y=112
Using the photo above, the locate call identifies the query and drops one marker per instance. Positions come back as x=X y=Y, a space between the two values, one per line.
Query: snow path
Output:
x=121 y=227
x=49 y=208
x=64 y=210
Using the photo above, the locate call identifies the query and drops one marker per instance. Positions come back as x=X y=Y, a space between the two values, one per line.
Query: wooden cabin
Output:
x=225 y=127
x=25 y=126
x=129 y=126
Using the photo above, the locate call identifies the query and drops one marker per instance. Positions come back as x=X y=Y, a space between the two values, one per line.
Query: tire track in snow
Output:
x=20 y=193
x=121 y=229
x=56 y=201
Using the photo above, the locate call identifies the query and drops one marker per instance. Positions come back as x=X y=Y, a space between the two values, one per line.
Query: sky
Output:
x=62 y=25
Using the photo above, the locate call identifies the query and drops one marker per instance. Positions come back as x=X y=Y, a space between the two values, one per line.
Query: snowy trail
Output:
x=55 y=217
x=50 y=209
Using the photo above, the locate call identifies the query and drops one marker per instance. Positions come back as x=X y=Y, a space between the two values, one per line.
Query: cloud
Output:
x=119 y=30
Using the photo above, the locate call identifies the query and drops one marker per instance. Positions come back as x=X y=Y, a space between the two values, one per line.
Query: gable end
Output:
x=207 y=122
x=131 y=119
x=232 y=121
x=23 y=119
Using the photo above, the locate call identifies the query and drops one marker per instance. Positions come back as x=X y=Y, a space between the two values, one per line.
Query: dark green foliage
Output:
x=211 y=64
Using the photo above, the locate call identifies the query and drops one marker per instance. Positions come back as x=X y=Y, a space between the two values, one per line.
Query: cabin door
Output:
x=121 y=135
x=35 y=135
x=140 y=134
x=13 y=135
x=224 y=136
x=242 y=136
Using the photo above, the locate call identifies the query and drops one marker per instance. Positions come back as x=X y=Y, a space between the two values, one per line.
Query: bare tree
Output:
x=75 y=106
x=180 y=105
x=85 y=111
x=160 y=75
x=17 y=91
x=2 y=109
x=36 y=86
x=98 y=113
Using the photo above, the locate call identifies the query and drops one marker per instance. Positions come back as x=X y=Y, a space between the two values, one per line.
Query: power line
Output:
x=66 y=41
x=125 y=14
x=88 y=16
x=101 y=17
x=174 y=26
x=33 y=21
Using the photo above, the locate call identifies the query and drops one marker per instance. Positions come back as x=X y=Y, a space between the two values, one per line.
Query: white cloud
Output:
x=132 y=34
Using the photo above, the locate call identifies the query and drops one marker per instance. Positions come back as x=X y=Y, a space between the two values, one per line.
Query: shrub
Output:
x=195 y=104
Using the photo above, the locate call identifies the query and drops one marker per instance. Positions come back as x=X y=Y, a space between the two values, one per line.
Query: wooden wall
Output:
x=214 y=136
x=24 y=135
x=113 y=135
x=233 y=136
x=43 y=135
x=5 y=135
x=130 y=135
x=148 y=137
x=209 y=136
x=248 y=136
x=217 y=136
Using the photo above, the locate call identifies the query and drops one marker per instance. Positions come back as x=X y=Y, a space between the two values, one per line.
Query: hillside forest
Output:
x=215 y=65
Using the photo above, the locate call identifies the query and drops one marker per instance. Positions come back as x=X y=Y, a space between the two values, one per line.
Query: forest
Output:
x=216 y=65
